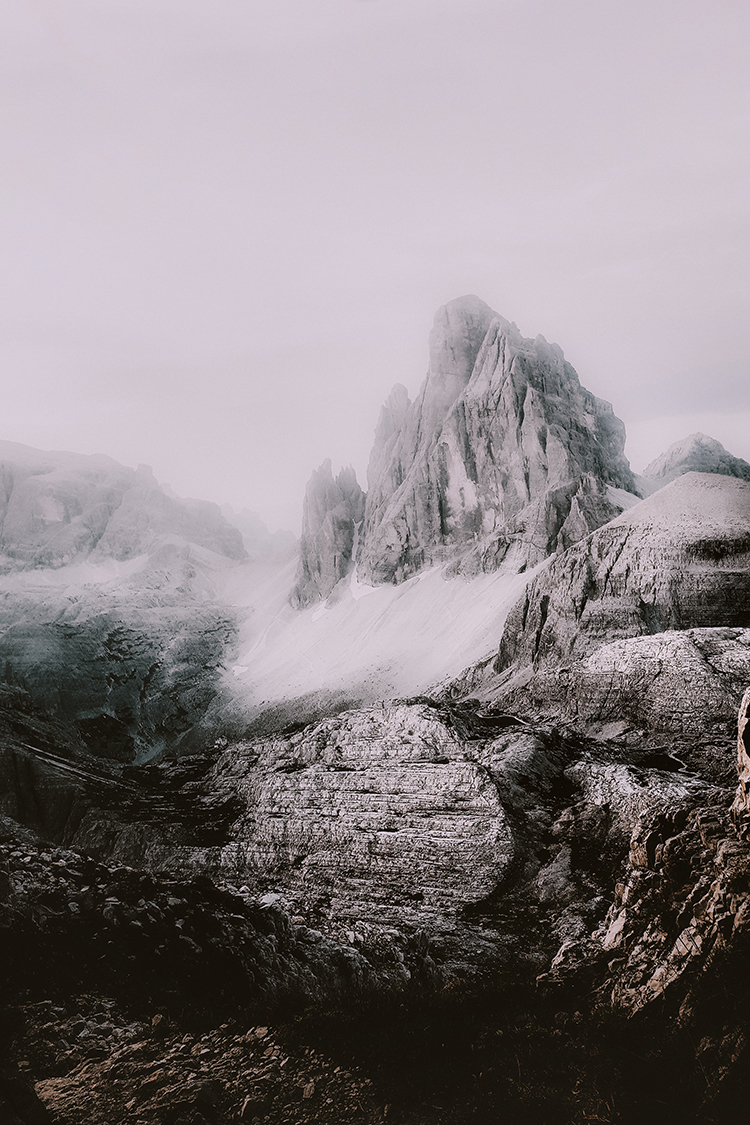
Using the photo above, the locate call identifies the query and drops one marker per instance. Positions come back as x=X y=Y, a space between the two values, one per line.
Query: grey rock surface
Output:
x=131 y=672
x=645 y=622
x=502 y=455
x=332 y=510
x=678 y=560
x=741 y=807
x=405 y=819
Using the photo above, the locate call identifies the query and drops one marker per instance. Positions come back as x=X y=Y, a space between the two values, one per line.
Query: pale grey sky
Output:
x=226 y=224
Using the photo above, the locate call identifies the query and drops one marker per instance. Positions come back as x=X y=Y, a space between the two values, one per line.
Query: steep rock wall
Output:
x=502 y=453
x=330 y=515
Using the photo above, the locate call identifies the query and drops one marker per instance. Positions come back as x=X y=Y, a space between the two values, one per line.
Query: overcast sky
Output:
x=226 y=225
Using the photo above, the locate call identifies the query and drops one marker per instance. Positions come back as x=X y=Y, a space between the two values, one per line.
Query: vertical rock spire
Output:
x=331 y=511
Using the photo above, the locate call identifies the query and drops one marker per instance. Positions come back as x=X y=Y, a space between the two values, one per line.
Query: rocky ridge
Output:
x=56 y=508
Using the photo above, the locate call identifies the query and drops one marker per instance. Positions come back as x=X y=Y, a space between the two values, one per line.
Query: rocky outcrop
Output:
x=741 y=807
x=645 y=622
x=454 y=823
x=331 y=513
x=697 y=453
x=678 y=560
x=503 y=455
x=674 y=944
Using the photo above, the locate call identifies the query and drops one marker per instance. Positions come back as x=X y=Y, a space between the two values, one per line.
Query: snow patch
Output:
x=375 y=641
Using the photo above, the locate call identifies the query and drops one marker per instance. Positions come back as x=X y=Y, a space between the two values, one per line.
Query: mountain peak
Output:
x=502 y=454
x=697 y=453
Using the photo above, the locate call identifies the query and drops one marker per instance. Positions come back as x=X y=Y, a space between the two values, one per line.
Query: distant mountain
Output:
x=57 y=508
x=259 y=542
x=113 y=620
x=696 y=453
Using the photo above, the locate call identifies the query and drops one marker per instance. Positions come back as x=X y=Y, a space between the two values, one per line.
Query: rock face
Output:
x=678 y=560
x=502 y=455
x=331 y=513
x=645 y=621
x=675 y=939
x=408 y=818
x=741 y=807
x=697 y=453
x=131 y=672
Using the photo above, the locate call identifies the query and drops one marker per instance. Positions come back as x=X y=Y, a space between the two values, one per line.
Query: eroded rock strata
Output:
x=643 y=623
x=674 y=945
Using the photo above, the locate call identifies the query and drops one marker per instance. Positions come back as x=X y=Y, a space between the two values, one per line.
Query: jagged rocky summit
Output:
x=503 y=457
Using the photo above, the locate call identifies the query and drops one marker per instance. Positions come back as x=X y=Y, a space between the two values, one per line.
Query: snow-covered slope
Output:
x=367 y=643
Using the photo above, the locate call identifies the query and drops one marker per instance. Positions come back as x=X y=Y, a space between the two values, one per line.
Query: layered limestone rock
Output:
x=646 y=621
x=696 y=453
x=331 y=513
x=678 y=560
x=503 y=455
x=378 y=814
x=401 y=819
x=677 y=932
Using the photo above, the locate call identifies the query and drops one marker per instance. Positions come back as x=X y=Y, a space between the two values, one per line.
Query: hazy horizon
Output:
x=227 y=228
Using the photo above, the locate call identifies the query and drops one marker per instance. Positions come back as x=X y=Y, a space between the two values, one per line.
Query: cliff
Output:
x=502 y=455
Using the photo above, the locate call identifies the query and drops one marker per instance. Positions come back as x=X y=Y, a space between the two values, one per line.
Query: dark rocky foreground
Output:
x=130 y=995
